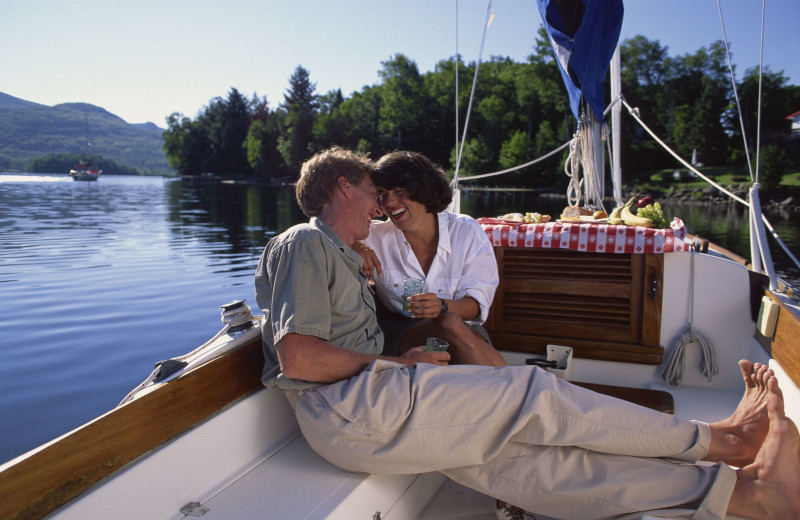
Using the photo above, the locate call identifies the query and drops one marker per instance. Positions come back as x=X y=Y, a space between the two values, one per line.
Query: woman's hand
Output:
x=425 y=305
x=371 y=264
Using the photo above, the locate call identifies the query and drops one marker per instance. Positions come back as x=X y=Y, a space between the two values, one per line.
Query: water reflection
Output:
x=237 y=217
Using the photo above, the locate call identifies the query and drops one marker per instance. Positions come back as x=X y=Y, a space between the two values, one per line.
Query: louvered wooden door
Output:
x=605 y=306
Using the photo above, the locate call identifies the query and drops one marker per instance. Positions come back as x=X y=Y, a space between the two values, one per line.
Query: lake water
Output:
x=99 y=280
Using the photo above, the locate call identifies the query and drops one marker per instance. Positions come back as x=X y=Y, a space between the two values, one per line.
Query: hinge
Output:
x=194 y=509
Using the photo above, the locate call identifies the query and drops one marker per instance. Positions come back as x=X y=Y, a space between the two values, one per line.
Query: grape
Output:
x=532 y=218
x=656 y=214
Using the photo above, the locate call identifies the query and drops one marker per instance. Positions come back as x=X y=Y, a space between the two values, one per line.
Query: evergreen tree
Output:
x=300 y=105
x=403 y=102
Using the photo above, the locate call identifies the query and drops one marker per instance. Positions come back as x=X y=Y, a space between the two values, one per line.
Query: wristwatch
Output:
x=444 y=306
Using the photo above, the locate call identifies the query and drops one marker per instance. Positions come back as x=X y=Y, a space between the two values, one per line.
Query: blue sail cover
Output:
x=583 y=34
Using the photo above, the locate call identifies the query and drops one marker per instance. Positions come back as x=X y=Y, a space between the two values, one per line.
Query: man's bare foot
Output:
x=737 y=439
x=769 y=488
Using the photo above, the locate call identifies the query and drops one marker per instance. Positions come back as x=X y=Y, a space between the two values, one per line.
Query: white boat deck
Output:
x=319 y=490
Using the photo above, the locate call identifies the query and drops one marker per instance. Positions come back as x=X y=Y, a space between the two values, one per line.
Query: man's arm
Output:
x=312 y=359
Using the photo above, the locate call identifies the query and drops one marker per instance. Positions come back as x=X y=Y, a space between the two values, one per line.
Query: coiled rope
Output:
x=674 y=364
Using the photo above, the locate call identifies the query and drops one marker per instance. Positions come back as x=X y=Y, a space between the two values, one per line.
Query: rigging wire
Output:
x=458 y=154
x=760 y=71
x=736 y=94
x=530 y=163
x=489 y=18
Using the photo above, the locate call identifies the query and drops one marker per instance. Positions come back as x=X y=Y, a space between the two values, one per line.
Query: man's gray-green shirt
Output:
x=310 y=282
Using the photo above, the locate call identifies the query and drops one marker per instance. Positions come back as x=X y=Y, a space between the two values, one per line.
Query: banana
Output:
x=615 y=217
x=616 y=212
x=634 y=220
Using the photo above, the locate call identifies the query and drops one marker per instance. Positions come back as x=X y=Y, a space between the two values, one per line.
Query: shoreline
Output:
x=788 y=201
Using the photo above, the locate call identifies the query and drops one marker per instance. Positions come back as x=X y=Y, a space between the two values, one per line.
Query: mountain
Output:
x=29 y=130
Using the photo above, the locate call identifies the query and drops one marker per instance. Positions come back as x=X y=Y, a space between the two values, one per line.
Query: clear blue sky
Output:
x=145 y=59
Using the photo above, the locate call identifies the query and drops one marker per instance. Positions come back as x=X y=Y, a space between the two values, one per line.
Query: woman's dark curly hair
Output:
x=412 y=171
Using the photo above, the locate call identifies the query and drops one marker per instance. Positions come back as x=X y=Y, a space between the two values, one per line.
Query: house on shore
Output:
x=795 y=119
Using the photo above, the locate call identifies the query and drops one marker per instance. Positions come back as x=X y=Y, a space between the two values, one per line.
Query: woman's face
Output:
x=399 y=207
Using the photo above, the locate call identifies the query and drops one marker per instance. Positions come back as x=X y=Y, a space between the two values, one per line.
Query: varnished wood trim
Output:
x=655 y=399
x=784 y=346
x=652 y=293
x=51 y=477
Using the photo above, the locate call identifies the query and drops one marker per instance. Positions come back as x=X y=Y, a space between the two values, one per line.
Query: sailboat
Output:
x=83 y=170
x=201 y=437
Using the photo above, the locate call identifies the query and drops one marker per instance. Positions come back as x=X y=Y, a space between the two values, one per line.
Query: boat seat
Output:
x=298 y=483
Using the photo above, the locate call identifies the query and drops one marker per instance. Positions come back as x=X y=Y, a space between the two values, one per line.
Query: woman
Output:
x=449 y=252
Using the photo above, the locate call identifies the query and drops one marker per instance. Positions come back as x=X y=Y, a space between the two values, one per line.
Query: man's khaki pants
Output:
x=518 y=434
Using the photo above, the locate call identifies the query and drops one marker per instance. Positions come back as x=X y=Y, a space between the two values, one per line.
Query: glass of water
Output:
x=411 y=286
x=436 y=345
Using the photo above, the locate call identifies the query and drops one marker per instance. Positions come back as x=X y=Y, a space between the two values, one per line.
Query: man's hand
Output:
x=418 y=355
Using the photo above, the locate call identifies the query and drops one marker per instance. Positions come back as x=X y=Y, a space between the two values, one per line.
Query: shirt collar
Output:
x=442 y=220
x=326 y=230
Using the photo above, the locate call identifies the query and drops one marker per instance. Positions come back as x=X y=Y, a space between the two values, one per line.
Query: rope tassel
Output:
x=674 y=364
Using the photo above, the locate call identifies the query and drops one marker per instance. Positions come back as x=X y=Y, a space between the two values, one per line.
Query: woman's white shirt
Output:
x=464 y=264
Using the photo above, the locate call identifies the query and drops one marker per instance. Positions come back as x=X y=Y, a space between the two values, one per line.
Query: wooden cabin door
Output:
x=605 y=306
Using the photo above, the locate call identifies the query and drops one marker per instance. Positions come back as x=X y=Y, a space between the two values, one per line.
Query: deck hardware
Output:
x=194 y=509
x=237 y=316
x=558 y=362
x=541 y=363
x=768 y=316
x=654 y=286
x=376 y=516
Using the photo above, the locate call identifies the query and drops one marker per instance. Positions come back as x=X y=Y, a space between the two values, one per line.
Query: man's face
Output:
x=367 y=206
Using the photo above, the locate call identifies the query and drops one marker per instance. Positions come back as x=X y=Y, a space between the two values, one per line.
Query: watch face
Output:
x=444 y=306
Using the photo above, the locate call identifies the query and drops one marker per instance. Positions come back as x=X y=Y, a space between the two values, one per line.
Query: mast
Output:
x=616 y=129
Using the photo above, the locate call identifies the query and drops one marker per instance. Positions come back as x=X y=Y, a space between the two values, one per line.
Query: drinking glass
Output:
x=436 y=345
x=411 y=286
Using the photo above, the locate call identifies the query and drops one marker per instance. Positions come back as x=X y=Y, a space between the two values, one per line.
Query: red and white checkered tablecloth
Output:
x=595 y=238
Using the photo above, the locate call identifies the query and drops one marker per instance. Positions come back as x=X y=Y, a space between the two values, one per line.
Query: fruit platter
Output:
x=635 y=227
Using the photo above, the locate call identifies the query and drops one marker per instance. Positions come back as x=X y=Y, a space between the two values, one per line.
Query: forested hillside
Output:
x=31 y=131
x=520 y=112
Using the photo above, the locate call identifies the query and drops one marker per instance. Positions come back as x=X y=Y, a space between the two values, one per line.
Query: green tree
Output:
x=516 y=150
x=300 y=104
x=774 y=163
x=261 y=146
x=331 y=125
x=476 y=158
x=360 y=117
x=226 y=122
x=403 y=103
x=777 y=101
x=185 y=145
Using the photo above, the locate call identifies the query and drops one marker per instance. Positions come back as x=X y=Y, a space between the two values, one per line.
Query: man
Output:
x=515 y=433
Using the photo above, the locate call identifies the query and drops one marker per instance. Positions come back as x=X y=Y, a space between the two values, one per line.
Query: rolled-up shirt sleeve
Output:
x=479 y=277
x=300 y=298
